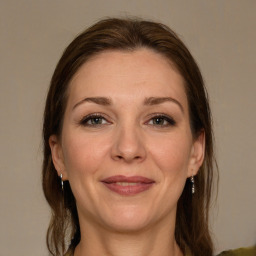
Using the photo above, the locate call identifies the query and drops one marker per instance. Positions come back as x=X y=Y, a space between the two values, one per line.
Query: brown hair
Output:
x=192 y=231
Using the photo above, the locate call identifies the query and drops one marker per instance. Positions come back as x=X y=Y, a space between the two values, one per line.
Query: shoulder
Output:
x=250 y=251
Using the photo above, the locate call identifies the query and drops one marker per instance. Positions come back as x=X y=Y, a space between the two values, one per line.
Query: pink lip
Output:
x=142 y=184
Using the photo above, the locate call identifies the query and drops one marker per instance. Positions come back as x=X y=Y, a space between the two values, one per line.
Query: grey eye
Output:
x=93 y=120
x=162 y=121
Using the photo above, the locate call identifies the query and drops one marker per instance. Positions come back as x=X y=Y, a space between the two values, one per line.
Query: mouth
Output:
x=128 y=186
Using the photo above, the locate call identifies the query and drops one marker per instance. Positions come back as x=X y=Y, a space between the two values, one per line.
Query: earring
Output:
x=61 y=182
x=193 y=184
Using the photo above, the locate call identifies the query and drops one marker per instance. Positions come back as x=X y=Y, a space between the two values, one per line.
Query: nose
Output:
x=128 y=145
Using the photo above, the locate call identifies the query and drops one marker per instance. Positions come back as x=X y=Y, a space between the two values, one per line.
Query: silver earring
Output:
x=61 y=181
x=193 y=184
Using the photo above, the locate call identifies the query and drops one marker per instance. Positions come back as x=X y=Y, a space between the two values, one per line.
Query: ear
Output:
x=197 y=154
x=57 y=156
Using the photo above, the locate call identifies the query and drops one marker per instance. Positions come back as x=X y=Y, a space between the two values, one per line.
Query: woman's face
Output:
x=126 y=145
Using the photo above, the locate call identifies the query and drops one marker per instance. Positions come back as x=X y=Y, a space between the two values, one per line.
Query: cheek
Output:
x=83 y=156
x=171 y=159
x=171 y=155
x=84 y=162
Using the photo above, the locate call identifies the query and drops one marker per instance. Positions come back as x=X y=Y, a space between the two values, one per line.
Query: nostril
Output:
x=127 y=158
x=124 y=150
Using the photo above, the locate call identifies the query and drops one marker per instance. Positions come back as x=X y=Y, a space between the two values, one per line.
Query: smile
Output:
x=128 y=186
x=127 y=183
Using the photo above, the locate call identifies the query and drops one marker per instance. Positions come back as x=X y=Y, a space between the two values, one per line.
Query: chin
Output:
x=128 y=220
x=127 y=226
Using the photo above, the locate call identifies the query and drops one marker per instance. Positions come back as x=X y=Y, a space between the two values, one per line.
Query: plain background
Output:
x=221 y=35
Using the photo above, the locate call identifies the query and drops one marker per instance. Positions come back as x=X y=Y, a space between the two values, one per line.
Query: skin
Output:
x=129 y=140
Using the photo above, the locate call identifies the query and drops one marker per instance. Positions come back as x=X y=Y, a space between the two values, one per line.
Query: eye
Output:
x=93 y=120
x=162 y=120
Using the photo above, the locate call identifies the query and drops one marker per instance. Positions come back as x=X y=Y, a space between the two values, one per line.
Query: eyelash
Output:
x=90 y=117
x=170 y=121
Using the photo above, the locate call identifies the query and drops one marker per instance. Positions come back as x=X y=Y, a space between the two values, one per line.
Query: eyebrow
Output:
x=97 y=100
x=148 y=101
x=158 y=100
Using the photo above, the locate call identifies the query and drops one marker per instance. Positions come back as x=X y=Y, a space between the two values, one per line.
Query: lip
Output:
x=130 y=185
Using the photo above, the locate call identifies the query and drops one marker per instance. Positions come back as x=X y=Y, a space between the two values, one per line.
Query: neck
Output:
x=154 y=241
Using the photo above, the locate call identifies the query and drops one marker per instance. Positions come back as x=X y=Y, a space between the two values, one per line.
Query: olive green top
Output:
x=251 y=251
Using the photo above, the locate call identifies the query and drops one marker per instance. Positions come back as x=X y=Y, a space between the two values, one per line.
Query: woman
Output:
x=128 y=151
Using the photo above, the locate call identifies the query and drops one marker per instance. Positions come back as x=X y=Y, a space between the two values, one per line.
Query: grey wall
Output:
x=221 y=34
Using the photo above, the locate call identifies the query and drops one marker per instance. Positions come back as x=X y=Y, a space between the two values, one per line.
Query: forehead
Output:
x=125 y=74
